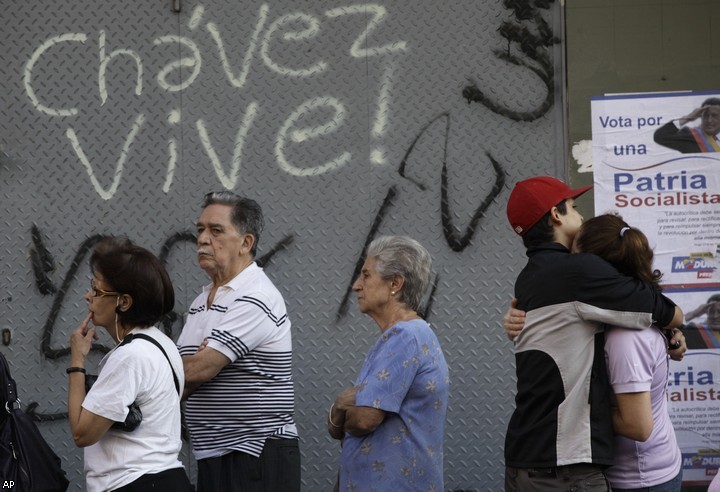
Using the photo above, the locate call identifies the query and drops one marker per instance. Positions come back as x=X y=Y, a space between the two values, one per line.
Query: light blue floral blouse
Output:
x=405 y=375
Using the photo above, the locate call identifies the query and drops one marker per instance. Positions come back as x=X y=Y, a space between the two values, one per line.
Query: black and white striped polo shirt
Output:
x=251 y=398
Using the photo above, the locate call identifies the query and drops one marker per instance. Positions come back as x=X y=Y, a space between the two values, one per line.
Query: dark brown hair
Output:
x=625 y=247
x=543 y=232
x=135 y=271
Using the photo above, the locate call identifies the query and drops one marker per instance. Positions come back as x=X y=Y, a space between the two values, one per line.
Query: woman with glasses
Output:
x=130 y=291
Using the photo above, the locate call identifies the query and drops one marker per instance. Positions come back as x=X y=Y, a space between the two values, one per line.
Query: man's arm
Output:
x=698 y=311
x=202 y=367
x=677 y=340
x=607 y=296
x=694 y=114
x=514 y=320
x=677 y=320
x=672 y=137
x=243 y=328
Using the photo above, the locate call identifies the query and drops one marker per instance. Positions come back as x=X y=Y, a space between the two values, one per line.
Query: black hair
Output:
x=711 y=101
x=247 y=215
x=543 y=232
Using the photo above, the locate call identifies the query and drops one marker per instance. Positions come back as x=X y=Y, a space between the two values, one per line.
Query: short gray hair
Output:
x=403 y=256
x=247 y=216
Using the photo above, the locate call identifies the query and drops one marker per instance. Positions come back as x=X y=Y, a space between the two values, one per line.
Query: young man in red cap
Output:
x=560 y=436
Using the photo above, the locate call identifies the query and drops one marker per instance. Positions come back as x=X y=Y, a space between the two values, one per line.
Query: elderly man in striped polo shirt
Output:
x=239 y=387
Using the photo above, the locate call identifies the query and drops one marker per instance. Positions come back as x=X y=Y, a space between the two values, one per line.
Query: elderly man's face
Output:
x=710 y=122
x=222 y=250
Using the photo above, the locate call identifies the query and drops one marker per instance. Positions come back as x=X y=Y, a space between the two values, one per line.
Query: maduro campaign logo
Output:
x=700 y=460
x=690 y=264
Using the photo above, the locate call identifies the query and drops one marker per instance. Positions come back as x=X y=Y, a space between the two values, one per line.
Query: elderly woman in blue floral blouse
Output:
x=392 y=420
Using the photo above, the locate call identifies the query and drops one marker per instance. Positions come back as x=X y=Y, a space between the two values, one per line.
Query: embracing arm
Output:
x=632 y=417
x=677 y=340
x=677 y=319
x=514 y=320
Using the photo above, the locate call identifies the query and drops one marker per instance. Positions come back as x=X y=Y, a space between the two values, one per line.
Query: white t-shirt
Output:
x=135 y=372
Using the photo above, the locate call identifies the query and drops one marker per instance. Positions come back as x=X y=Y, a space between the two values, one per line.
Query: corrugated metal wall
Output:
x=344 y=120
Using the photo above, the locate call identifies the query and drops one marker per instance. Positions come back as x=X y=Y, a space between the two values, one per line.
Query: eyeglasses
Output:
x=98 y=292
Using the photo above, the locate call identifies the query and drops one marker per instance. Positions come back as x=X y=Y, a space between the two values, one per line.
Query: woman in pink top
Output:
x=647 y=457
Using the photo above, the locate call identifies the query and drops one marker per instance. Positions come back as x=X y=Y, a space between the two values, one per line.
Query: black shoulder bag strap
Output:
x=133 y=336
x=10 y=388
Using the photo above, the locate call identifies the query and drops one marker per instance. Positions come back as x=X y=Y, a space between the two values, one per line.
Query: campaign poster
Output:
x=693 y=394
x=656 y=162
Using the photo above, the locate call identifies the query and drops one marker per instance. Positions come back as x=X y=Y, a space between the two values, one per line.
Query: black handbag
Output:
x=27 y=462
x=134 y=416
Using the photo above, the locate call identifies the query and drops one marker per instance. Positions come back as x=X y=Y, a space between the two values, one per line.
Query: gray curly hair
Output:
x=403 y=256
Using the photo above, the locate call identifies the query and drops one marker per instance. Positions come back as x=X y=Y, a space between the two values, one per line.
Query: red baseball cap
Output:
x=534 y=197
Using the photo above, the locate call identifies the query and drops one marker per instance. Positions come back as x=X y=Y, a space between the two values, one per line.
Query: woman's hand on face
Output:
x=81 y=341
